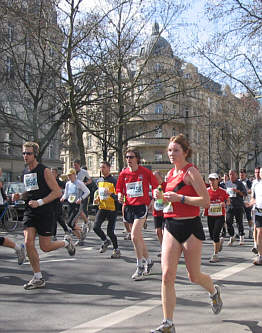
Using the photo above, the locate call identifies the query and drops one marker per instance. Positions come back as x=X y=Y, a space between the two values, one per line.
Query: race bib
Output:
x=103 y=193
x=215 y=210
x=168 y=208
x=72 y=198
x=135 y=189
x=30 y=182
x=231 y=192
x=158 y=206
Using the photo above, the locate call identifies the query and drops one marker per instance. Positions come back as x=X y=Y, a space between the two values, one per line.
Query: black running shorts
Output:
x=181 y=230
x=258 y=221
x=159 y=222
x=132 y=213
x=44 y=224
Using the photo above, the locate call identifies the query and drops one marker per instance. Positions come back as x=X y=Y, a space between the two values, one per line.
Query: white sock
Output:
x=38 y=275
x=255 y=244
x=139 y=262
x=169 y=322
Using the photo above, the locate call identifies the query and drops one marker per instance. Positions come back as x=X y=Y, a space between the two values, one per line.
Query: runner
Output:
x=216 y=214
x=41 y=191
x=107 y=201
x=158 y=214
x=236 y=191
x=133 y=184
x=19 y=249
x=58 y=207
x=75 y=193
x=185 y=193
x=248 y=184
x=257 y=202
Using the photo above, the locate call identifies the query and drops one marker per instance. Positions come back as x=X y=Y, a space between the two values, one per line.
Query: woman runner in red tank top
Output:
x=185 y=192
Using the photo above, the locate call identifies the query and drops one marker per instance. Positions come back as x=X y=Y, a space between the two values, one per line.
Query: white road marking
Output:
x=51 y=260
x=104 y=322
x=111 y=319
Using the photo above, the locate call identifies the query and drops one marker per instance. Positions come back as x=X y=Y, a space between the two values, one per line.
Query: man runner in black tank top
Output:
x=41 y=190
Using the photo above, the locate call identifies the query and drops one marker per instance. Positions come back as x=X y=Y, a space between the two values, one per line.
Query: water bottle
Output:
x=160 y=200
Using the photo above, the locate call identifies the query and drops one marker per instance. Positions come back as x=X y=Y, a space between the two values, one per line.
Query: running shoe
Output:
x=21 y=254
x=34 y=284
x=127 y=236
x=79 y=242
x=231 y=241
x=165 y=328
x=216 y=301
x=214 y=258
x=70 y=247
x=104 y=246
x=116 y=254
x=254 y=250
x=221 y=244
x=258 y=261
x=139 y=273
x=242 y=240
x=148 y=268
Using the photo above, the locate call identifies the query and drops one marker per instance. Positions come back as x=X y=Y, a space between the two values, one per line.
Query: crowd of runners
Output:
x=177 y=200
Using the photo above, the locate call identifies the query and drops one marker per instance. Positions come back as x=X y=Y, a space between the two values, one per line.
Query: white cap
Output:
x=213 y=176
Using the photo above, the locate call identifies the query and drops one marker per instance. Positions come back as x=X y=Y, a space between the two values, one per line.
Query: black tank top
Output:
x=36 y=186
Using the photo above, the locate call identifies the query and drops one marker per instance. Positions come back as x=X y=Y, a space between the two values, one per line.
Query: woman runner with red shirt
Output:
x=185 y=193
x=216 y=213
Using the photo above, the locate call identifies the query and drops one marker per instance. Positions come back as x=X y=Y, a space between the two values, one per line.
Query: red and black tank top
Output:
x=176 y=184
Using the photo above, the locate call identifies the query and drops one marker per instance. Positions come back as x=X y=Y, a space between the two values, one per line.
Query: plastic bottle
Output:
x=160 y=200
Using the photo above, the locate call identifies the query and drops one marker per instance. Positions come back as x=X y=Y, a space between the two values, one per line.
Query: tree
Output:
x=30 y=85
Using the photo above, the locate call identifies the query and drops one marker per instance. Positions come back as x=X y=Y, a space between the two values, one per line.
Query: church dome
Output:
x=156 y=45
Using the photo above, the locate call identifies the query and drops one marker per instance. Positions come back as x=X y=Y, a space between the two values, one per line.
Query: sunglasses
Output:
x=131 y=157
x=27 y=153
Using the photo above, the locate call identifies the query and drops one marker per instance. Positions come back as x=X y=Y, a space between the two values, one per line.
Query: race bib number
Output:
x=30 y=182
x=215 y=210
x=231 y=192
x=72 y=198
x=158 y=206
x=103 y=193
x=135 y=189
x=168 y=208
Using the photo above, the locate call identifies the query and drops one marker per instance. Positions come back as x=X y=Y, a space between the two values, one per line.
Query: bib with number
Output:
x=215 y=210
x=231 y=193
x=72 y=198
x=30 y=182
x=158 y=206
x=103 y=193
x=134 y=189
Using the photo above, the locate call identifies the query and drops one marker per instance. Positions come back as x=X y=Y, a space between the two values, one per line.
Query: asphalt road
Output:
x=92 y=293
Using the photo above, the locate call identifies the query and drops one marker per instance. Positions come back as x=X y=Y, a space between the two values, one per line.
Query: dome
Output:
x=156 y=45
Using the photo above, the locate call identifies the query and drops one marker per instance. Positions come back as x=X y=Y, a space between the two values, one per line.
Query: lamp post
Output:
x=209 y=136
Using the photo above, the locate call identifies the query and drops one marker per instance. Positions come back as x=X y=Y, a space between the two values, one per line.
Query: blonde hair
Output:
x=182 y=140
x=33 y=145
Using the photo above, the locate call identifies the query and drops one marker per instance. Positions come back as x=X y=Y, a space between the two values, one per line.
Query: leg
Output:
x=138 y=240
x=192 y=249
x=111 y=228
x=46 y=245
x=259 y=240
x=229 y=222
x=99 y=220
x=171 y=252
x=30 y=234
x=4 y=241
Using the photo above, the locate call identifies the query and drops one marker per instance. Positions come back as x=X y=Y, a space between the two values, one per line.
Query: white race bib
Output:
x=215 y=209
x=231 y=192
x=158 y=206
x=72 y=198
x=134 y=189
x=30 y=181
x=103 y=193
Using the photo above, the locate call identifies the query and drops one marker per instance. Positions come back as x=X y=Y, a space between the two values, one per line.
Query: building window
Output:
x=89 y=162
x=158 y=156
x=158 y=85
x=158 y=109
x=10 y=32
x=89 y=141
x=157 y=67
x=186 y=111
x=158 y=132
x=174 y=131
x=50 y=151
x=10 y=68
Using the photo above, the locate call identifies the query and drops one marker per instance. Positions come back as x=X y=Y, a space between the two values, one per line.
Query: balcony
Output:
x=149 y=142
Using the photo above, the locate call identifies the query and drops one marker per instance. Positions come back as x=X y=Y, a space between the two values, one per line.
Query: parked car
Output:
x=16 y=187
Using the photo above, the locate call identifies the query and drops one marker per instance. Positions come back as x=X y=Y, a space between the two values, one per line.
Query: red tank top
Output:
x=176 y=184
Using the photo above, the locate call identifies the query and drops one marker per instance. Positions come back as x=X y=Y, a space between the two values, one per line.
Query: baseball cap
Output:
x=213 y=176
x=71 y=172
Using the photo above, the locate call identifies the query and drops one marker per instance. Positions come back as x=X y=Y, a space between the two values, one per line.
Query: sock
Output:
x=139 y=262
x=169 y=322
x=17 y=247
x=255 y=244
x=38 y=275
